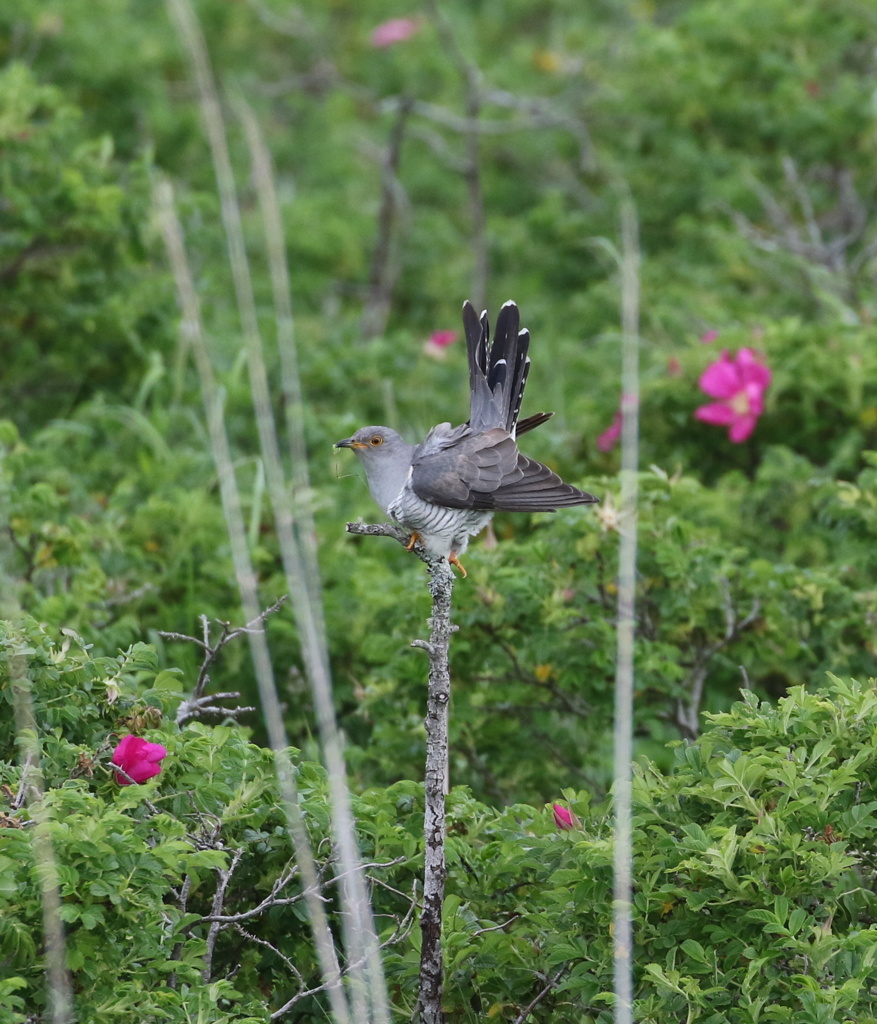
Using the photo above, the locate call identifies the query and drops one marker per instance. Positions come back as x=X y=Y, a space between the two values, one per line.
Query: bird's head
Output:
x=386 y=459
x=371 y=444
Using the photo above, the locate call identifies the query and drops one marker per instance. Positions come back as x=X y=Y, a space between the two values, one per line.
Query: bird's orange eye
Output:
x=376 y=440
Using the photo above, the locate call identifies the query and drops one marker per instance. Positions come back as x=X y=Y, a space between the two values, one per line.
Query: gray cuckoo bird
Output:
x=446 y=489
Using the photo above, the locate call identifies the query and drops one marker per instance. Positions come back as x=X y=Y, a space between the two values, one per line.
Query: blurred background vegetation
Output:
x=484 y=155
x=472 y=149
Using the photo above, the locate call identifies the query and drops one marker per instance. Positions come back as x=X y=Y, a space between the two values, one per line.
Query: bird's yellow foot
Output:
x=452 y=558
x=412 y=540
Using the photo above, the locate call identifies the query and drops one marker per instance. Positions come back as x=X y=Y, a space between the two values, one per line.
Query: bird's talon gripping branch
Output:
x=456 y=561
x=412 y=540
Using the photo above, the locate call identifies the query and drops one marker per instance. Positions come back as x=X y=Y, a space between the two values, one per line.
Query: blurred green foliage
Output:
x=502 y=137
x=83 y=310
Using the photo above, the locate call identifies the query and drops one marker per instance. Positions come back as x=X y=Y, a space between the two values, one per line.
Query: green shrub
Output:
x=755 y=860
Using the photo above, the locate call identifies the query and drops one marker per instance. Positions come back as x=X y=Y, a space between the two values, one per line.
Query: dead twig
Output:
x=687 y=716
x=384 y=270
x=224 y=877
x=831 y=245
x=402 y=929
x=274 y=900
x=198 y=704
x=496 y=927
x=525 y=1013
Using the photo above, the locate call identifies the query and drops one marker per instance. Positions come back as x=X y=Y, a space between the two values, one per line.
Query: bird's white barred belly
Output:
x=442 y=530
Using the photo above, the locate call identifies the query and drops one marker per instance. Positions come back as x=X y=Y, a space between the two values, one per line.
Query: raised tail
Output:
x=497 y=371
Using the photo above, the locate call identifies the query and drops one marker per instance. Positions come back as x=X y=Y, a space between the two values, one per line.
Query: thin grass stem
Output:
x=365 y=979
x=624 y=679
x=246 y=578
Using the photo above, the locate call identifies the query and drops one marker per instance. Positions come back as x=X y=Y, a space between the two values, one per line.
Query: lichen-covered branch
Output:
x=441 y=587
x=384 y=530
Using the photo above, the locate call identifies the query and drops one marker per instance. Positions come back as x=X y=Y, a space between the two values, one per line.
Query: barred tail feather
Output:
x=498 y=370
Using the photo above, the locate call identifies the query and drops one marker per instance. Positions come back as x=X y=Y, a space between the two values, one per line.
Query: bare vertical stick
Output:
x=275 y=244
x=623 y=851
x=192 y=329
x=367 y=989
x=441 y=586
x=32 y=792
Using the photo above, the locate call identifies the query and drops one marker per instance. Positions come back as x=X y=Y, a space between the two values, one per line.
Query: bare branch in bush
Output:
x=832 y=247
x=224 y=877
x=402 y=929
x=497 y=927
x=198 y=705
x=274 y=900
x=687 y=716
x=291 y=22
x=271 y=900
x=182 y=897
x=552 y=984
x=290 y=966
x=384 y=270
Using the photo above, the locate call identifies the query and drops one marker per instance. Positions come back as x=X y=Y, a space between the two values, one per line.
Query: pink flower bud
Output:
x=563 y=817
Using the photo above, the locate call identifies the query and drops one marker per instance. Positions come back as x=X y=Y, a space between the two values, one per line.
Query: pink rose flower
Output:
x=563 y=818
x=610 y=436
x=396 y=30
x=739 y=383
x=138 y=758
x=437 y=343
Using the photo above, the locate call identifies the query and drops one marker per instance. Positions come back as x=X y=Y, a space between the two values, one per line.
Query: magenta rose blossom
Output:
x=396 y=30
x=609 y=438
x=437 y=344
x=441 y=339
x=739 y=383
x=138 y=758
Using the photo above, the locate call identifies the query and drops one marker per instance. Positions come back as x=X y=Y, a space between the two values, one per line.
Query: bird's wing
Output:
x=486 y=471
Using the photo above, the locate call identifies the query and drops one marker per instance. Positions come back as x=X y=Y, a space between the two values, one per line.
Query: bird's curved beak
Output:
x=348 y=442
